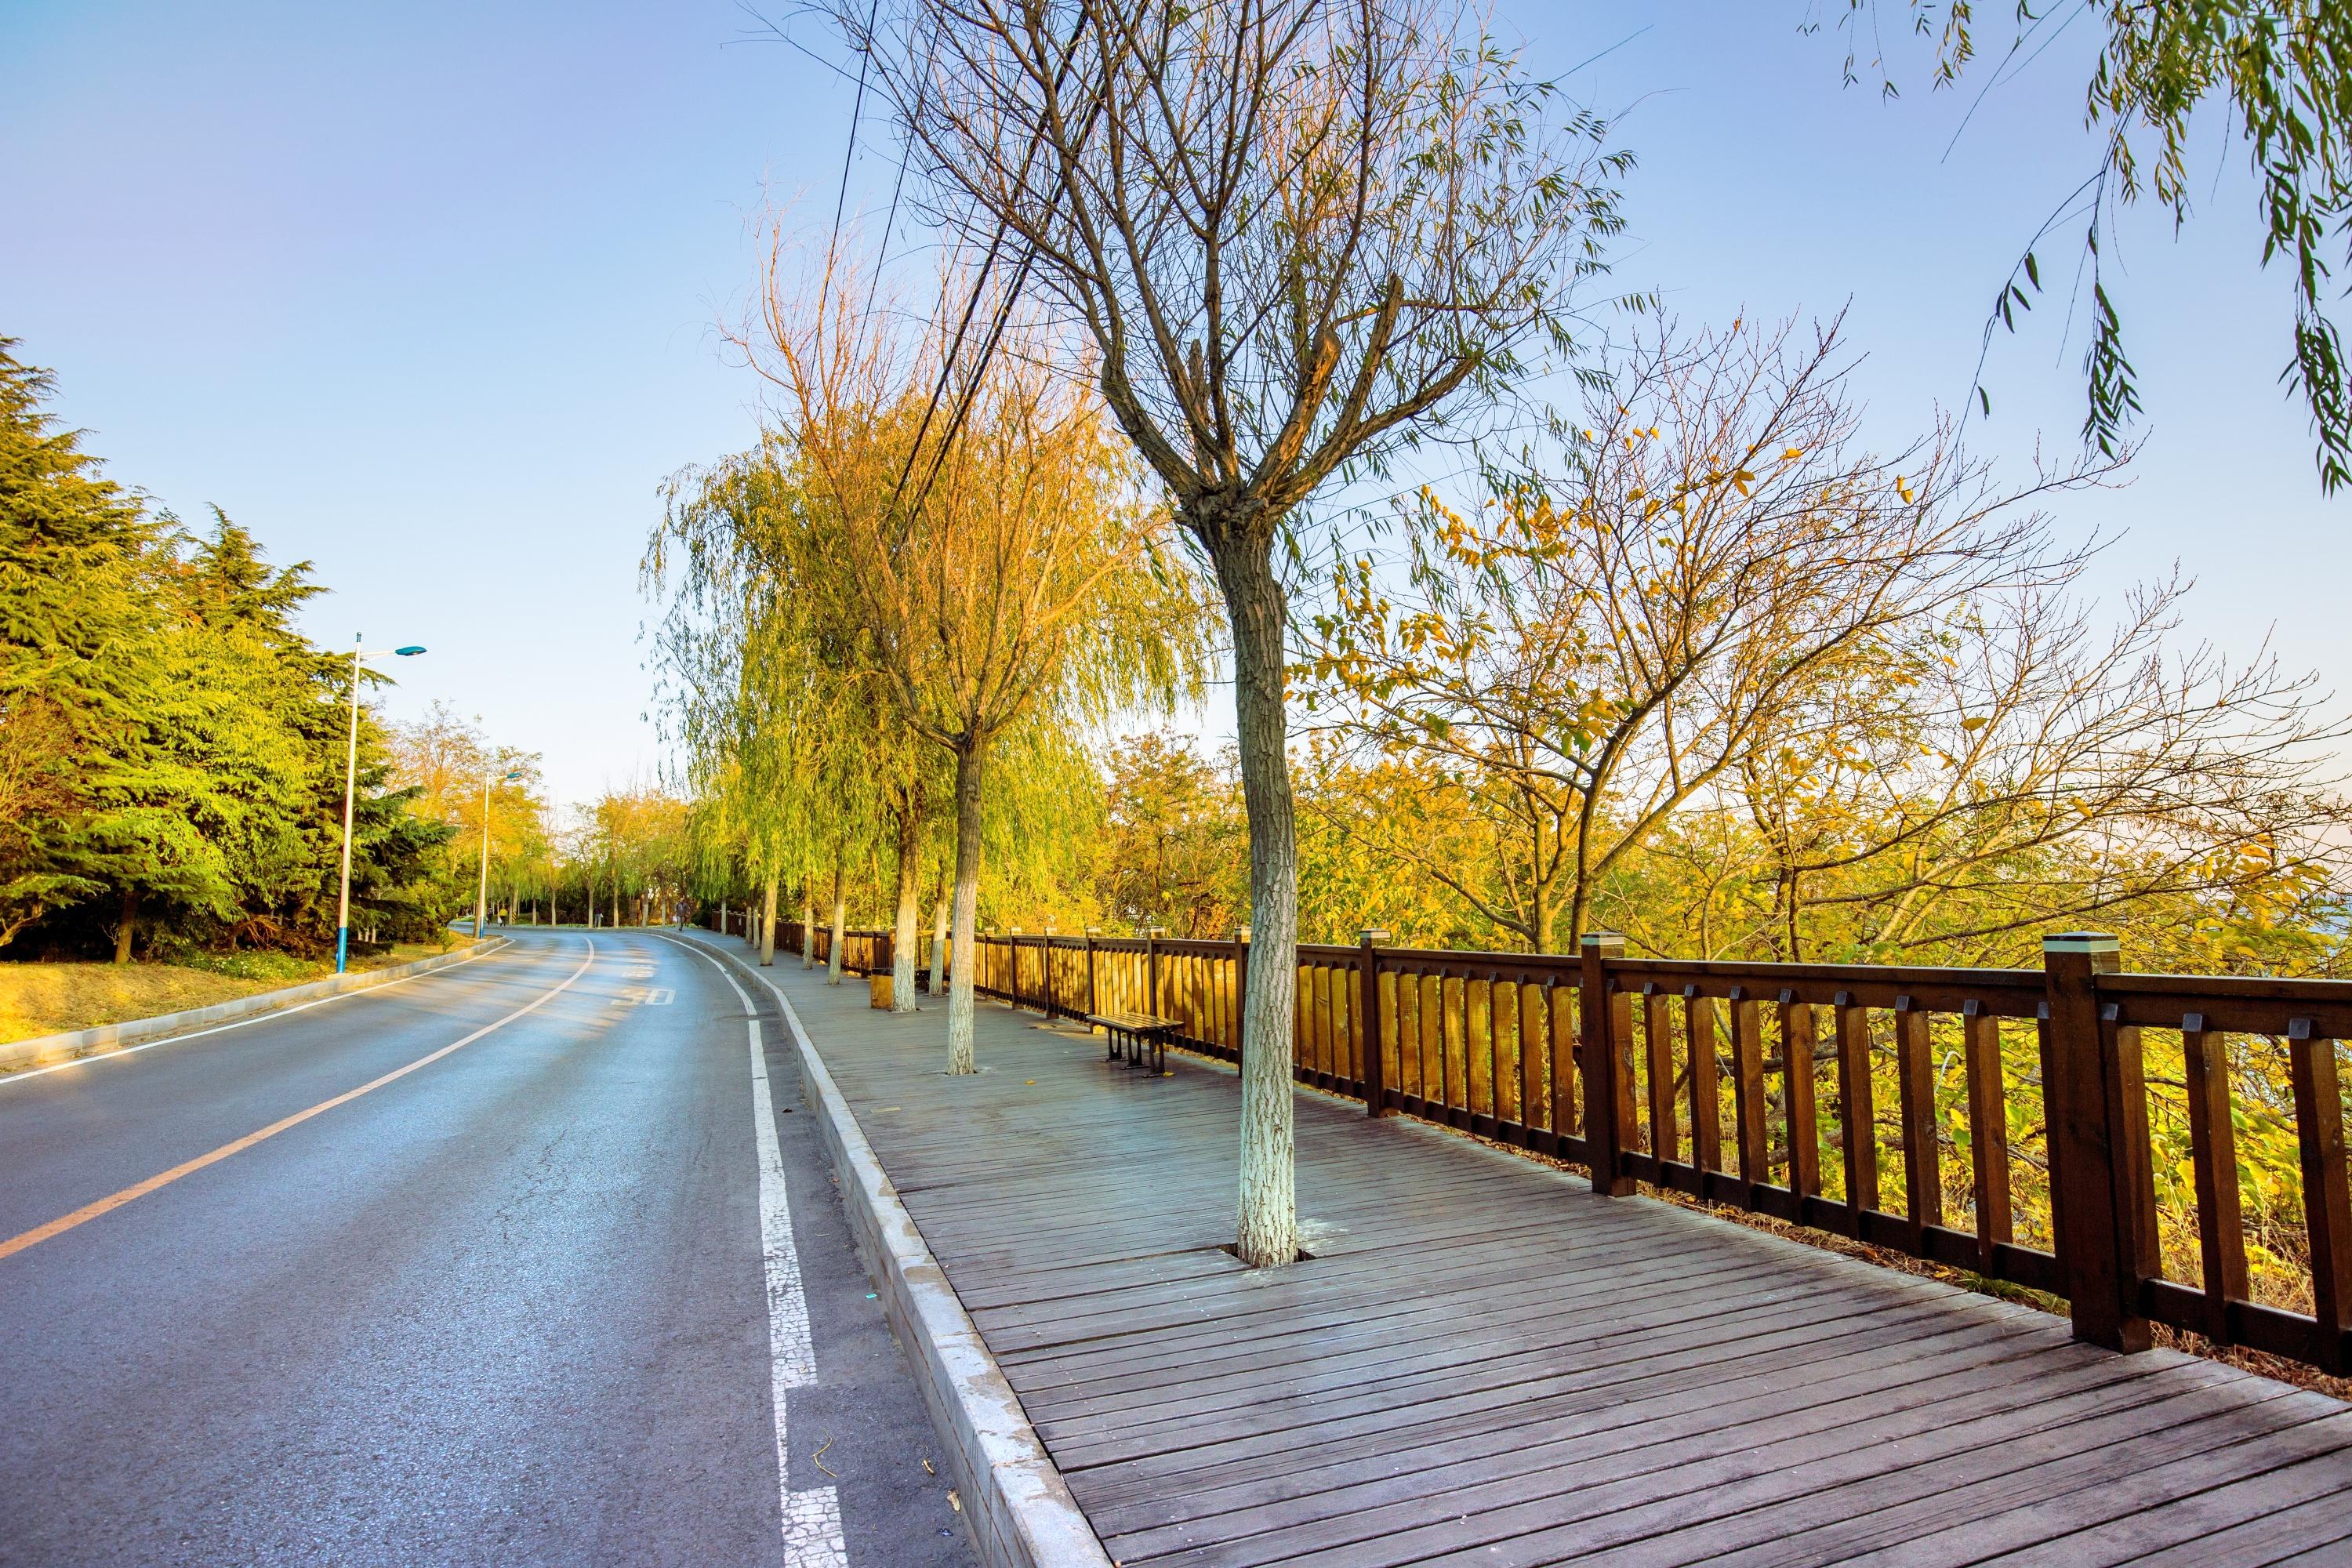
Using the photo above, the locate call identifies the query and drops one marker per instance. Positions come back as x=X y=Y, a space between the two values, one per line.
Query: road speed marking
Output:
x=137 y=1190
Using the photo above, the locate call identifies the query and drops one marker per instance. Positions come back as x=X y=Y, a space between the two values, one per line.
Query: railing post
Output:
x=1092 y=1009
x=1605 y=1020
x=1240 y=988
x=1012 y=963
x=2094 y=1194
x=1151 y=970
x=1368 y=1021
x=1046 y=961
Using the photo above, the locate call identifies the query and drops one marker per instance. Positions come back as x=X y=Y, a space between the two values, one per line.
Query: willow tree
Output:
x=1300 y=234
x=773 y=680
x=779 y=739
x=986 y=545
x=2269 y=79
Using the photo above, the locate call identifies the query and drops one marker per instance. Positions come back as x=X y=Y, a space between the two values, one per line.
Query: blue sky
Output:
x=427 y=294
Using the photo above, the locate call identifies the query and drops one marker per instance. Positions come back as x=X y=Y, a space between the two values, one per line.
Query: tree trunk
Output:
x=840 y=925
x=122 y=933
x=768 y=925
x=808 y=928
x=939 y=947
x=1268 y=1232
x=966 y=914
x=903 y=933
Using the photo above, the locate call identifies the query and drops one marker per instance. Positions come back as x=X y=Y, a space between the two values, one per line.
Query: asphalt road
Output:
x=513 y=1305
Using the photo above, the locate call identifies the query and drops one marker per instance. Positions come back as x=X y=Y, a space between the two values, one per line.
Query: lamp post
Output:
x=351 y=783
x=482 y=893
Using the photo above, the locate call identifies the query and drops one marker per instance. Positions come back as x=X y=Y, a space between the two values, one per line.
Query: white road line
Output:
x=95 y=1057
x=789 y=1344
x=812 y=1519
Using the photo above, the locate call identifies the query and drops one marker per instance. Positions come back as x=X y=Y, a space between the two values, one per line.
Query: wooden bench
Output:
x=1139 y=1037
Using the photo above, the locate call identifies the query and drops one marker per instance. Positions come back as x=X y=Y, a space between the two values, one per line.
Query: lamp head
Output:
x=411 y=651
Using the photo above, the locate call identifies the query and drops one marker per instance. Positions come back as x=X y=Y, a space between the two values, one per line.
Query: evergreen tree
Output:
x=80 y=639
x=171 y=743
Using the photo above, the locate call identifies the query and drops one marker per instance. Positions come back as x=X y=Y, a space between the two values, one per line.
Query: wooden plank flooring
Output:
x=1484 y=1363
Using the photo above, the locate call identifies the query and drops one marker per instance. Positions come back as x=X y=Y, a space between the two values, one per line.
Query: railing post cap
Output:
x=2079 y=941
x=1241 y=933
x=1606 y=941
x=1373 y=934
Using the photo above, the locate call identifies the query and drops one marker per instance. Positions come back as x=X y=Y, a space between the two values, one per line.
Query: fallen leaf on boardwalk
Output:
x=954 y=1501
x=927 y=1469
x=1029 y=1082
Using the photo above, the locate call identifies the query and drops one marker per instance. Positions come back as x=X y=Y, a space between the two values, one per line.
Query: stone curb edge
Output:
x=47 y=1050
x=1021 y=1512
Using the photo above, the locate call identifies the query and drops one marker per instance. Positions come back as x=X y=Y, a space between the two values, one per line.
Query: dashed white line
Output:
x=812 y=1519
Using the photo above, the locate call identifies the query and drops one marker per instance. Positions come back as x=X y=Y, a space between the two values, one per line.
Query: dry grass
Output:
x=51 y=998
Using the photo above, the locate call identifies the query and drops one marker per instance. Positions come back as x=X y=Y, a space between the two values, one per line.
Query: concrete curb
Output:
x=46 y=1050
x=1021 y=1512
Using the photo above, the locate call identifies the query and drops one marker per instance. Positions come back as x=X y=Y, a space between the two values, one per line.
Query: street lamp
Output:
x=351 y=783
x=482 y=893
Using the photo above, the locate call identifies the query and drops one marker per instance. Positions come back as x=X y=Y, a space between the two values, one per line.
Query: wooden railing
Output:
x=1752 y=1085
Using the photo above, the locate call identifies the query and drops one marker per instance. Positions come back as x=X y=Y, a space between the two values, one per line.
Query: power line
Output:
x=849 y=154
x=1011 y=295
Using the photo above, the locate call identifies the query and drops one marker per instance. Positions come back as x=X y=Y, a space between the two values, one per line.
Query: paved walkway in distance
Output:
x=1485 y=1362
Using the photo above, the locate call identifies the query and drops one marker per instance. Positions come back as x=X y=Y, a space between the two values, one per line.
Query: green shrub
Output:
x=274 y=967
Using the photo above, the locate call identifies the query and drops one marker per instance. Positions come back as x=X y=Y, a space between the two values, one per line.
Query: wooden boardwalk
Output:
x=1484 y=1363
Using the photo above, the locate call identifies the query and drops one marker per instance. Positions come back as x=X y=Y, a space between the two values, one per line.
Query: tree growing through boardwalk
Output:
x=1300 y=234
x=787 y=737
x=990 y=569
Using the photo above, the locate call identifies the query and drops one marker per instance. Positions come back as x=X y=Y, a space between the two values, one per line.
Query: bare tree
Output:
x=2019 y=762
x=1584 y=654
x=1300 y=234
